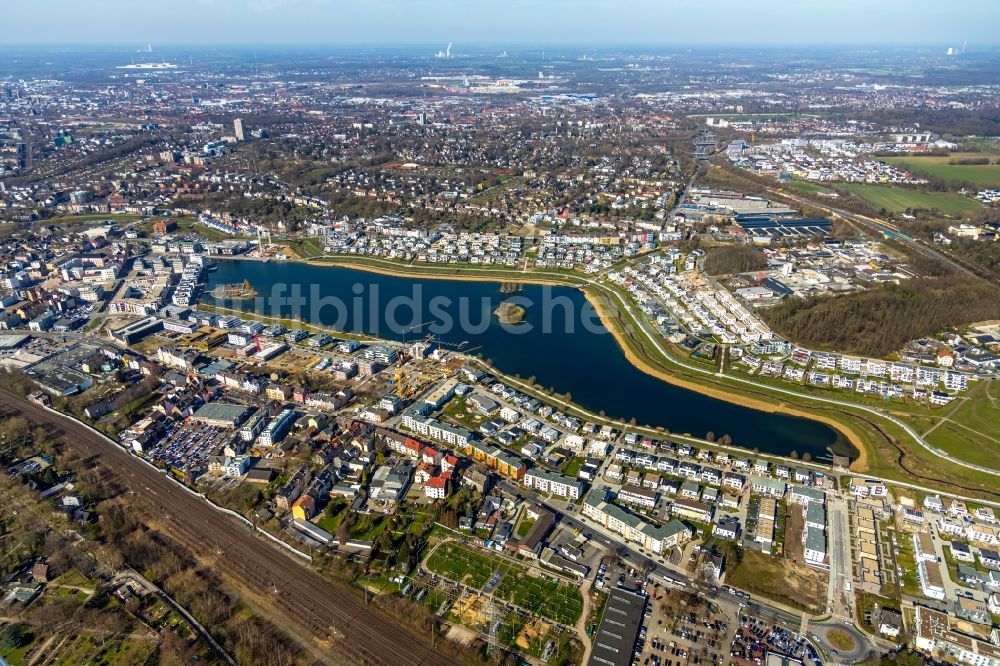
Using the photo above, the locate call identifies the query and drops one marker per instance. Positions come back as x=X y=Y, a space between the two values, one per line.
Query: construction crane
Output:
x=403 y=388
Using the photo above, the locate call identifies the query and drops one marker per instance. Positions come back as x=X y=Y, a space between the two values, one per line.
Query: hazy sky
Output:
x=537 y=22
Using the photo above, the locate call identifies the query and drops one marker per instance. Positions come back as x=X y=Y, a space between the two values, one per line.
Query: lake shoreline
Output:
x=393 y=269
x=719 y=394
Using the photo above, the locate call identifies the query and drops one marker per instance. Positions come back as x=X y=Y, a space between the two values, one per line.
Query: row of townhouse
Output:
x=436 y=467
x=435 y=429
x=711 y=475
x=736 y=462
x=692 y=510
x=867 y=537
x=277 y=428
x=767 y=513
x=814 y=539
x=642 y=497
x=655 y=538
x=414 y=448
x=905 y=373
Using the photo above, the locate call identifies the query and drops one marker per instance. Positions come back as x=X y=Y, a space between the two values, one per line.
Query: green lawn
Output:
x=367 y=527
x=572 y=467
x=972 y=432
x=986 y=175
x=524 y=527
x=458 y=411
x=306 y=247
x=909 y=583
x=329 y=523
x=898 y=199
x=552 y=599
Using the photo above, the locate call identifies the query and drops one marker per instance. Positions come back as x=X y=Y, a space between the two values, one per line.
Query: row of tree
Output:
x=734 y=259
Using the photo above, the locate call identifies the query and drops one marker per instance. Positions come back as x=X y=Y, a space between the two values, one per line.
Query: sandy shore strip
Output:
x=399 y=271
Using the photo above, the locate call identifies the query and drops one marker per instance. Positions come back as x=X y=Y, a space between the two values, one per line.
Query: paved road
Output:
x=841 y=566
x=323 y=612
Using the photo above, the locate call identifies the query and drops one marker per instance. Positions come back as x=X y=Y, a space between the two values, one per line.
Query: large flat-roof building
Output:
x=222 y=414
x=137 y=330
x=614 y=642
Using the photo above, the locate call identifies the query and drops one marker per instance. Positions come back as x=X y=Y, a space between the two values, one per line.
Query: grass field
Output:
x=972 y=431
x=898 y=199
x=556 y=601
x=92 y=217
x=804 y=186
x=987 y=175
x=840 y=639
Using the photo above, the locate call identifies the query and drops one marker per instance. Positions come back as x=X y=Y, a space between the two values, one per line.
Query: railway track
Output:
x=324 y=613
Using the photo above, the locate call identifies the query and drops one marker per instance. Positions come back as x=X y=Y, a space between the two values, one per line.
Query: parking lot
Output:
x=187 y=448
x=682 y=628
x=755 y=638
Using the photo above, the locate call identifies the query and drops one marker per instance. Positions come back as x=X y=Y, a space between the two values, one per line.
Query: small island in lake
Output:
x=509 y=313
x=242 y=291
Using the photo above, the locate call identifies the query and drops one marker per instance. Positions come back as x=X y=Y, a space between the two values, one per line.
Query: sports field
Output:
x=474 y=568
x=986 y=175
x=898 y=199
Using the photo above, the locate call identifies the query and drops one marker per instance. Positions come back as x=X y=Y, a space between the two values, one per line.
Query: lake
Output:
x=560 y=343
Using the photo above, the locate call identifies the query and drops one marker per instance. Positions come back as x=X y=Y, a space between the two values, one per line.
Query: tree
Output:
x=726 y=439
x=710 y=436
x=15 y=635
x=807 y=457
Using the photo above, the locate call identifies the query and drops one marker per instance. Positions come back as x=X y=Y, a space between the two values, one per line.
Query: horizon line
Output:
x=529 y=45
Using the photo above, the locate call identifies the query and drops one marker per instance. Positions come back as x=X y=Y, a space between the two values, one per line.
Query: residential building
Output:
x=643 y=497
x=651 y=537
x=551 y=482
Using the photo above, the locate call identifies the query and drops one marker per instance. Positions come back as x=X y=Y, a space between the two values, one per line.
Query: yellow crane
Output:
x=403 y=390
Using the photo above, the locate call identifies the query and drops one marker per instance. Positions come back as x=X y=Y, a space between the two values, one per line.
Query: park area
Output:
x=898 y=199
x=551 y=599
